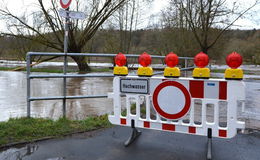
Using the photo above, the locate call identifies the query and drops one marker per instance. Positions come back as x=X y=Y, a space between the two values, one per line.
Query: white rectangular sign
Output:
x=72 y=14
x=140 y=86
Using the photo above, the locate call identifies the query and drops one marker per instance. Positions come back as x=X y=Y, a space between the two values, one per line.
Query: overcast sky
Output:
x=250 y=21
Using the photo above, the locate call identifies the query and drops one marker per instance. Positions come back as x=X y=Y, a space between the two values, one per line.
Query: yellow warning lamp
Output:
x=171 y=61
x=145 y=60
x=120 y=69
x=201 y=60
x=234 y=60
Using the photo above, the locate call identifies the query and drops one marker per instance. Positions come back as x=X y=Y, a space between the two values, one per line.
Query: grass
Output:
x=133 y=110
x=223 y=71
x=101 y=70
x=29 y=129
x=6 y=68
x=48 y=70
x=218 y=70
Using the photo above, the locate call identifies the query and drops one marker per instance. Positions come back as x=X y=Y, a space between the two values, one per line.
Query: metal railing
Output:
x=65 y=75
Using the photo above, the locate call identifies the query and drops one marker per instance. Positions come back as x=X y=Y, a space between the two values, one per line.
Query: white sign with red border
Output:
x=65 y=3
x=171 y=100
x=175 y=101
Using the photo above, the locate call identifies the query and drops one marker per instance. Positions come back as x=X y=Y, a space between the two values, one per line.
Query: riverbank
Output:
x=22 y=130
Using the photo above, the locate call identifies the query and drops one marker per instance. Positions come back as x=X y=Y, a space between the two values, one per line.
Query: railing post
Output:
x=64 y=87
x=185 y=66
x=28 y=69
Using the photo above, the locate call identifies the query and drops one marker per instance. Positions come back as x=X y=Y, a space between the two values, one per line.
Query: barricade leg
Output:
x=209 y=145
x=135 y=133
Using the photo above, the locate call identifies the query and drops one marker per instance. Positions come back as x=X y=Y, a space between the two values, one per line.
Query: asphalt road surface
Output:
x=108 y=144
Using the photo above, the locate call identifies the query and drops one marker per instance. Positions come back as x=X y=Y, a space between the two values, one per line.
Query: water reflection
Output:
x=18 y=153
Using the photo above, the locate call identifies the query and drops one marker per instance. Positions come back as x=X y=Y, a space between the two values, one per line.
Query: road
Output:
x=151 y=145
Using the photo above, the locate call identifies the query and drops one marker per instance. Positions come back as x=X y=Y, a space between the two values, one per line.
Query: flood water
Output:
x=13 y=98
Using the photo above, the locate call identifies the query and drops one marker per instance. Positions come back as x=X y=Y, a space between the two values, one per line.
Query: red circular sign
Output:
x=65 y=3
x=182 y=89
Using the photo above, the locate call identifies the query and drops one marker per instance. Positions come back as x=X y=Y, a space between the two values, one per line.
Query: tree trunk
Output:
x=82 y=63
x=204 y=50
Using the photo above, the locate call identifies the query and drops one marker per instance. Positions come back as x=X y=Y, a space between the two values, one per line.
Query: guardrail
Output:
x=64 y=75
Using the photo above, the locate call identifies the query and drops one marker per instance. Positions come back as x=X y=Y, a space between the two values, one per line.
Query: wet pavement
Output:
x=152 y=145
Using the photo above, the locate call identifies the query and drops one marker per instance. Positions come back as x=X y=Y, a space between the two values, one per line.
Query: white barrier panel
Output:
x=183 y=105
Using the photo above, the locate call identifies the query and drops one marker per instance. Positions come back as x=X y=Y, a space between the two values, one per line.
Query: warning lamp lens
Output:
x=201 y=60
x=120 y=59
x=145 y=59
x=171 y=59
x=234 y=60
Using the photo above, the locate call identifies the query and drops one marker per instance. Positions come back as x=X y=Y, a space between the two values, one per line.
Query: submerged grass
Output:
x=245 y=71
x=218 y=70
x=101 y=70
x=48 y=70
x=29 y=129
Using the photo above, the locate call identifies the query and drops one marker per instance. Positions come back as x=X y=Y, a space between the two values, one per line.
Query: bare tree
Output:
x=207 y=19
x=47 y=26
x=128 y=18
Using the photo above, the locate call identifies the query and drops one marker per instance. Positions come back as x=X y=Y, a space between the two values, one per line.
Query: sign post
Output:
x=67 y=14
x=65 y=5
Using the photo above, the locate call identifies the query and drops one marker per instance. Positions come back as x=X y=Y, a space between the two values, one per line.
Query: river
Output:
x=13 y=96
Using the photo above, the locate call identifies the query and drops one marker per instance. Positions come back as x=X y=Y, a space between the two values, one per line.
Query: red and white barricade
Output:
x=178 y=105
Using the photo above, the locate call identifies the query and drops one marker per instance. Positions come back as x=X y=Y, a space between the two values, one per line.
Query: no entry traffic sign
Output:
x=171 y=100
x=65 y=3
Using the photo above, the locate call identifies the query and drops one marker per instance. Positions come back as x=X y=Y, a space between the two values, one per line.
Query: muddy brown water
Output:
x=13 y=98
